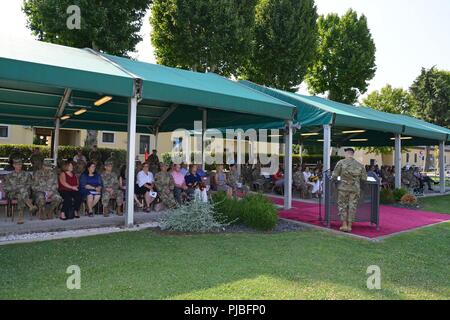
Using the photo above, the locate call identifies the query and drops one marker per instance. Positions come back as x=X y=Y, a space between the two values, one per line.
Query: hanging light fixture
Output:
x=404 y=138
x=359 y=140
x=310 y=134
x=354 y=131
x=65 y=117
x=80 y=111
x=103 y=100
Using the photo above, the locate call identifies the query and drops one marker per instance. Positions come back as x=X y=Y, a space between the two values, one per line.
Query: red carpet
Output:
x=392 y=219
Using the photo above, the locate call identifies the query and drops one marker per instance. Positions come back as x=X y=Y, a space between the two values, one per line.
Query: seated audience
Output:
x=91 y=187
x=235 y=181
x=165 y=186
x=299 y=182
x=220 y=181
x=180 y=184
x=68 y=188
x=196 y=187
x=45 y=190
x=111 y=189
x=278 y=180
x=145 y=185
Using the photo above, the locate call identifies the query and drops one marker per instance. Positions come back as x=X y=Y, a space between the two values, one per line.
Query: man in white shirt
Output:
x=144 y=186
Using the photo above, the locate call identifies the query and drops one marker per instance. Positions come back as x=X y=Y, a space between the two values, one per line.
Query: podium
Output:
x=369 y=203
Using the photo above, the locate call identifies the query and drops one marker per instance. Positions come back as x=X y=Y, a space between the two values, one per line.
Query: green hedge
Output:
x=64 y=152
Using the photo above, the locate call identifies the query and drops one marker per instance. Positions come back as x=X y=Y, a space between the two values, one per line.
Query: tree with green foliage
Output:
x=203 y=35
x=284 y=43
x=431 y=91
x=345 y=58
x=392 y=100
x=108 y=26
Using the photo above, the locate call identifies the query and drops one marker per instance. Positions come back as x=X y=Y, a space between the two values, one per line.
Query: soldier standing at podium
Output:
x=349 y=189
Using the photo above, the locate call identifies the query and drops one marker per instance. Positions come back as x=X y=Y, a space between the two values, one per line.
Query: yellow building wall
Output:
x=18 y=135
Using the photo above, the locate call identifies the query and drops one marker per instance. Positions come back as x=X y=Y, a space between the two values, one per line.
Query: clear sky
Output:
x=409 y=34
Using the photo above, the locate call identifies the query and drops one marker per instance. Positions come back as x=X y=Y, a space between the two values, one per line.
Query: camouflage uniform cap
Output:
x=109 y=162
x=47 y=163
x=17 y=161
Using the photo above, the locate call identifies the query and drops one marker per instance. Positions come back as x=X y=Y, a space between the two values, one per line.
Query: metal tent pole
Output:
x=204 y=122
x=56 y=141
x=326 y=147
x=398 y=161
x=132 y=115
x=288 y=165
x=442 y=167
x=238 y=151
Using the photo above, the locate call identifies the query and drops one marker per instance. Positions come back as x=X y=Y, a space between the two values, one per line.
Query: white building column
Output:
x=398 y=161
x=442 y=166
x=132 y=115
x=288 y=165
x=326 y=147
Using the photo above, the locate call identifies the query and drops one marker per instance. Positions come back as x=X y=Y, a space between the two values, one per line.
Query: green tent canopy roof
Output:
x=34 y=76
x=314 y=112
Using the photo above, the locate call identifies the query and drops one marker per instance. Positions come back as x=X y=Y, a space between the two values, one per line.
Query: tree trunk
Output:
x=91 y=138
x=426 y=159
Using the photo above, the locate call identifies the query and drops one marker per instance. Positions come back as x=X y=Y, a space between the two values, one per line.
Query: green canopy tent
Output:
x=357 y=126
x=49 y=85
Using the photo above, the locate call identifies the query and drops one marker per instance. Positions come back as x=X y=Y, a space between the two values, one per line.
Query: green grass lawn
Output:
x=436 y=204
x=304 y=265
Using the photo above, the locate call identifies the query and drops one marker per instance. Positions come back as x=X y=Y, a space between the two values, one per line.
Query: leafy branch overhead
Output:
x=110 y=26
x=345 y=58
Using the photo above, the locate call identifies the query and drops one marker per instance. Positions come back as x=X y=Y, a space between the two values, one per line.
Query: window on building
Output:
x=415 y=157
x=108 y=137
x=144 y=142
x=4 y=132
x=177 y=144
x=407 y=157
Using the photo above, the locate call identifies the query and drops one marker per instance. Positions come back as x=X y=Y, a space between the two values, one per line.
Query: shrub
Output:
x=387 y=196
x=399 y=193
x=258 y=212
x=408 y=200
x=228 y=208
x=196 y=216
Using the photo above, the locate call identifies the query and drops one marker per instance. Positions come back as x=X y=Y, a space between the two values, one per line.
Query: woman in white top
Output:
x=144 y=185
x=315 y=185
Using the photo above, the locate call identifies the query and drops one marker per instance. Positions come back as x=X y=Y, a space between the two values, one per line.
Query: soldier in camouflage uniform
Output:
x=153 y=162
x=165 y=186
x=111 y=189
x=298 y=179
x=45 y=189
x=15 y=154
x=36 y=159
x=95 y=156
x=17 y=186
x=352 y=173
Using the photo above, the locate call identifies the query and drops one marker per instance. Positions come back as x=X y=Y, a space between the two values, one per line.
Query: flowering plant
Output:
x=408 y=200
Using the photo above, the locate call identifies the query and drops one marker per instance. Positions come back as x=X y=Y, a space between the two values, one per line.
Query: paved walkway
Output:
x=7 y=227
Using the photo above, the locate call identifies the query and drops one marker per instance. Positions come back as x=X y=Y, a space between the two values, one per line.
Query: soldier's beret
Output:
x=349 y=149
x=17 y=161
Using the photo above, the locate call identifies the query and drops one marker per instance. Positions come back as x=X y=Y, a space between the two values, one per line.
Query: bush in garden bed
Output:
x=255 y=210
x=64 y=152
x=387 y=196
x=399 y=193
x=195 y=216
